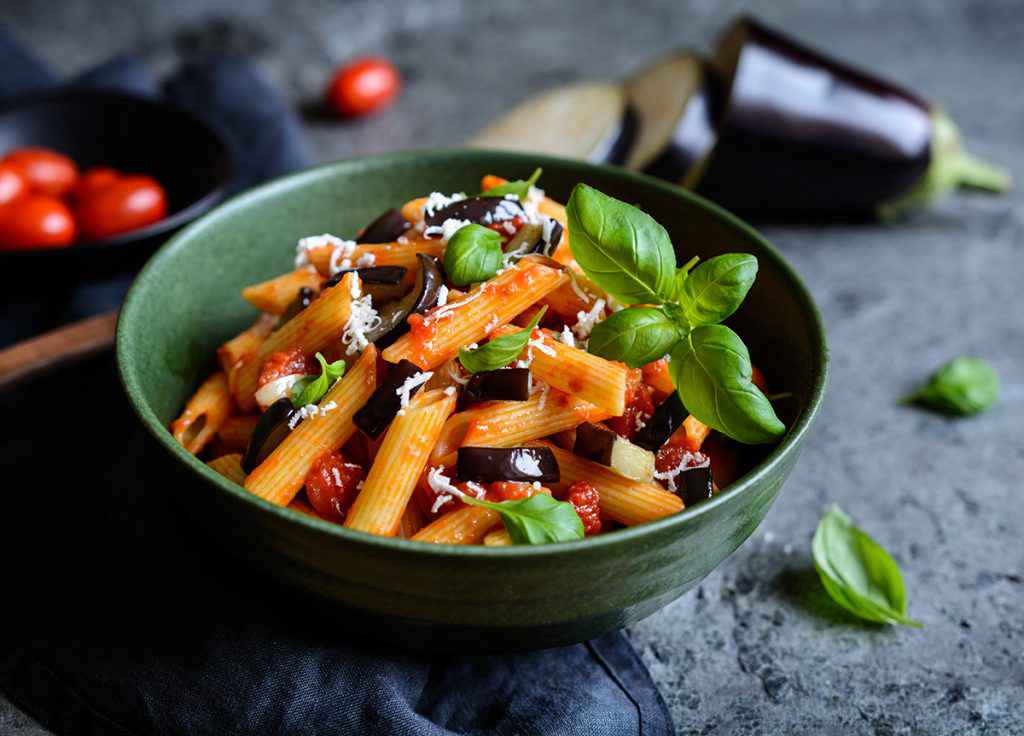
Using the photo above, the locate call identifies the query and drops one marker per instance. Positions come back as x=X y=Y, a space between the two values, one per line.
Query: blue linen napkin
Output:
x=121 y=619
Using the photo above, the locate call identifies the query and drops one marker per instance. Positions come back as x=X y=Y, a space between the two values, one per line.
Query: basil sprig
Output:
x=963 y=386
x=310 y=390
x=518 y=187
x=857 y=573
x=473 y=254
x=500 y=351
x=630 y=256
x=538 y=519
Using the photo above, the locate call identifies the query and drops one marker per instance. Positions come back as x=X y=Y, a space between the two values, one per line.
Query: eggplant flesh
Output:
x=667 y=418
x=519 y=464
x=507 y=384
x=382 y=406
x=387 y=228
x=481 y=210
x=604 y=446
x=269 y=432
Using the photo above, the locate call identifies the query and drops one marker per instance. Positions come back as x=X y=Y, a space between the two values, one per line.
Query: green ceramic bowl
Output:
x=186 y=302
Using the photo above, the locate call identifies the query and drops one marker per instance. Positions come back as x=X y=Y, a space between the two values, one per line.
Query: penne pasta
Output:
x=276 y=295
x=316 y=328
x=626 y=501
x=465 y=525
x=498 y=538
x=402 y=456
x=230 y=466
x=235 y=432
x=691 y=434
x=242 y=348
x=413 y=519
x=438 y=336
x=204 y=414
x=382 y=254
x=412 y=210
x=278 y=478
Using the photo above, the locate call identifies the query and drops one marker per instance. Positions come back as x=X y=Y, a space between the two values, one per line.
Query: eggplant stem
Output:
x=975 y=173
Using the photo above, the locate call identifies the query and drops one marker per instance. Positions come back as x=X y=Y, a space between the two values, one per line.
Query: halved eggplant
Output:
x=269 y=432
x=667 y=418
x=394 y=314
x=507 y=384
x=695 y=484
x=383 y=283
x=301 y=301
x=520 y=464
x=584 y=121
x=387 y=228
x=481 y=210
x=378 y=412
x=606 y=447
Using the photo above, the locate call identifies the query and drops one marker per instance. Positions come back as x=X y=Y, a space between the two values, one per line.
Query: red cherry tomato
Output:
x=12 y=183
x=126 y=204
x=47 y=172
x=36 y=221
x=332 y=484
x=363 y=86
x=93 y=180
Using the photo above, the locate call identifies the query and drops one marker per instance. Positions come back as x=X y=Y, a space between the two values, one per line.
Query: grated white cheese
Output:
x=538 y=342
x=440 y=312
x=446 y=229
x=437 y=201
x=449 y=390
x=544 y=388
x=585 y=321
x=312 y=242
x=442 y=485
x=366 y=260
x=329 y=406
x=567 y=337
x=362 y=318
x=688 y=460
x=442 y=295
x=509 y=227
x=507 y=211
x=402 y=240
x=413 y=381
x=547 y=230
x=639 y=422
x=337 y=477
x=492 y=324
x=309 y=411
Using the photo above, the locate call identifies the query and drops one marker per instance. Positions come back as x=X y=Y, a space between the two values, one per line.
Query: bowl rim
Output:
x=174 y=220
x=789 y=445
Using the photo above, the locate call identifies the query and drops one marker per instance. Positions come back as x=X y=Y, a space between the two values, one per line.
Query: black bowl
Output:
x=133 y=134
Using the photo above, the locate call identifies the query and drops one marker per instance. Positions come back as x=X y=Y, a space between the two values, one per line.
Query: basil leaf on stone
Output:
x=310 y=390
x=857 y=573
x=711 y=370
x=715 y=289
x=473 y=254
x=500 y=351
x=635 y=335
x=539 y=519
x=518 y=187
x=963 y=386
x=620 y=248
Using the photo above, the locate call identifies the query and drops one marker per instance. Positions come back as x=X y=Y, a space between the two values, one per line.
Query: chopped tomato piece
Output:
x=507 y=490
x=586 y=500
x=639 y=407
x=332 y=484
x=286 y=363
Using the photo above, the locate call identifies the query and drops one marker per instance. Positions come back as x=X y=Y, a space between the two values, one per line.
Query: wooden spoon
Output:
x=68 y=344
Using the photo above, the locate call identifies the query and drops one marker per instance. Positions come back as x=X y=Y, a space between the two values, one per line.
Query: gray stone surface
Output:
x=756 y=650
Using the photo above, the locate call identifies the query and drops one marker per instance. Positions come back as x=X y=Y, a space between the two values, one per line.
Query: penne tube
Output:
x=498 y=538
x=400 y=460
x=465 y=525
x=657 y=376
x=242 y=348
x=278 y=478
x=626 y=501
x=230 y=466
x=276 y=295
x=204 y=414
x=316 y=328
x=383 y=254
x=413 y=519
x=412 y=210
x=690 y=434
x=235 y=432
x=438 y=336
x=300 y=505
x=591 y=378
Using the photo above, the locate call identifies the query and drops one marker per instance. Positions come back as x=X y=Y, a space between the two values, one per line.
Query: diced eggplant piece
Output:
x=520 y=464
x=606 y=447
x=387 y=228
x=549 y=244
x=383 y=283
x=584 y=121
x=507 y=384
x=695 y=484
x=394 y=314
x=481 y=210
x=667 y=418
x=378 y=412
x=302 y=300
x=269 y=432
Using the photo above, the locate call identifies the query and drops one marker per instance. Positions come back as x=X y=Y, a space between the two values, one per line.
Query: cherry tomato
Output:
x=363 y=86
x=12 y=183
x=93 y=180
x=126 y=204
x=36 y=221
x=47 y=172
x=332 y=484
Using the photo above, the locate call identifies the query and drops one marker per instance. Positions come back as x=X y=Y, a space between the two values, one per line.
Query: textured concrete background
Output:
x=756 y=650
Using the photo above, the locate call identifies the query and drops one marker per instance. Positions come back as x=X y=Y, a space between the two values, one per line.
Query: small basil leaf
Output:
x=857 y=573
x=716 y=288
x=500 y=351
x=473 y=254
x=635 y=335
x=518 y=187
x=962 y=386
x=620 y=248
x=539 y=519
x=310 y=390
x=711 y=370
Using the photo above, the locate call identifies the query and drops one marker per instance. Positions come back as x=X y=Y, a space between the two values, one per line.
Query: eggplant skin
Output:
x=476 y=209
x=376 y=414
x=668 y=417
x=802 y=135
x=269 y=432
x=372 y=275
x=506 y=384
x=387 y=228
x=695 y=485
x=518 y=464
x=301 y=301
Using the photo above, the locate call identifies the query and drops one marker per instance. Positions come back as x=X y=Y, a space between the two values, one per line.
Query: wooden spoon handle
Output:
x=52 y=349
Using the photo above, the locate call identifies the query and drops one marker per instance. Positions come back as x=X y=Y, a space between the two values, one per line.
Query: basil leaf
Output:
x=717 y=287
x=518 y=187
x=473 y=254
x=635 y=335
x=857 y=573
x=500 y=351
x=962 y=386
x=538 y=519
x=310 y=390
x=683 y=273
x=620 y=248
x=711 y=370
